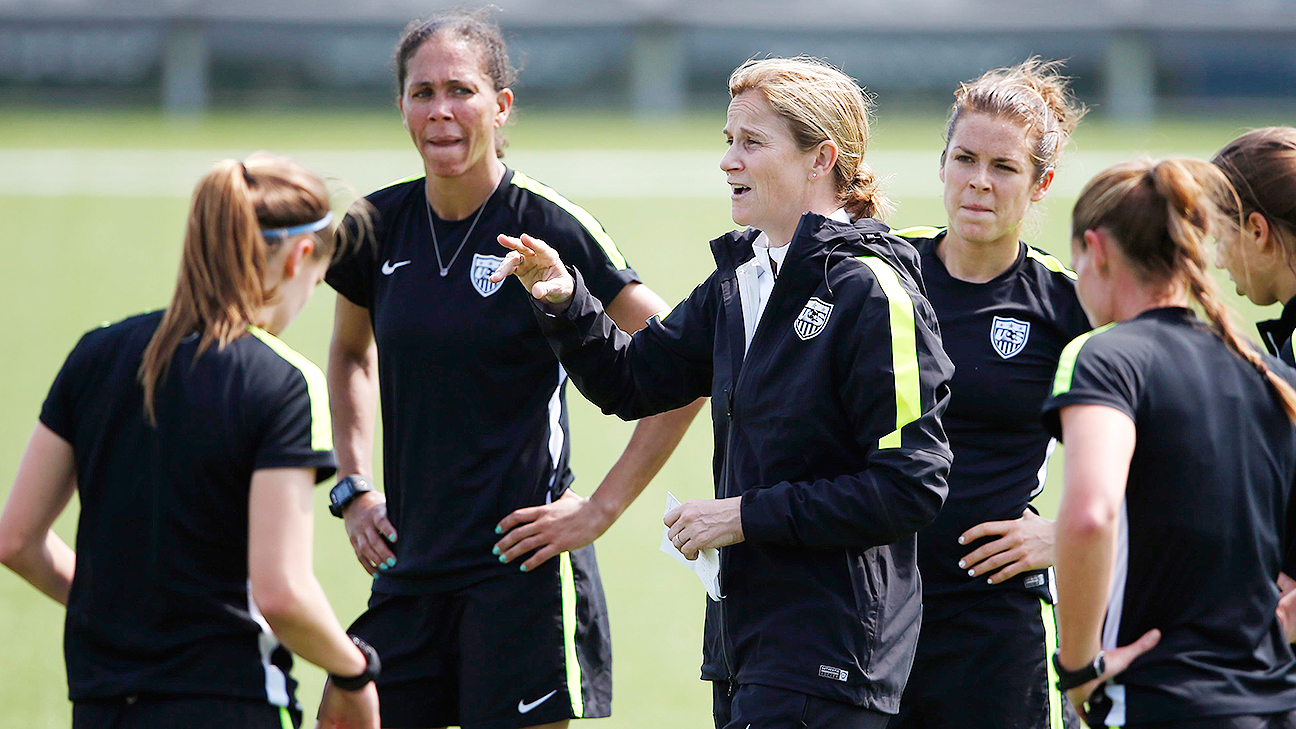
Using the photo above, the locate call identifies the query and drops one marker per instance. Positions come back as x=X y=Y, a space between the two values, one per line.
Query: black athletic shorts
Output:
x=987 y=667
x=515 y=650
x=754 y=705
x=156 y=711
x=1283 y=720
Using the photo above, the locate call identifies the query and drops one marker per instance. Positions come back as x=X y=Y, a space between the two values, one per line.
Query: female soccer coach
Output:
x=194 y=438
x=1006 y=311
x=827 y=381
x=476 y=474
x=1181 y=455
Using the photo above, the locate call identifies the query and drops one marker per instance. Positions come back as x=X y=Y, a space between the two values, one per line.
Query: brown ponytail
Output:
x=220 y=289
x=1163 y=215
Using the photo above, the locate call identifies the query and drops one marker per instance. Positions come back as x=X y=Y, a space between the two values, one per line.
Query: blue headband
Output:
x=302 y=229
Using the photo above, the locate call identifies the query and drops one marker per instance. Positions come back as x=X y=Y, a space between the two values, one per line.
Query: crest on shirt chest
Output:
x=480 y=271
x=1008 y=336
x=812 y=319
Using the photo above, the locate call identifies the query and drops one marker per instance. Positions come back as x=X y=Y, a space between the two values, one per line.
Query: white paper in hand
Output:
x=707 y=564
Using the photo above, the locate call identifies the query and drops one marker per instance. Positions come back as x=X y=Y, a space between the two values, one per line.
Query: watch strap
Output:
x=1068 y=680
x=346 y=491
x=373 y=667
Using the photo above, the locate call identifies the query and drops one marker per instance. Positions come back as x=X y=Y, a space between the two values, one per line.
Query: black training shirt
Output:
x=1204 y=524
x=1004 y=337
x=473 y=407
x=159 y=600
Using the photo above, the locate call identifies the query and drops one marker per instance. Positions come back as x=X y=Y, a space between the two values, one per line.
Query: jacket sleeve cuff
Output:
x=763 y=516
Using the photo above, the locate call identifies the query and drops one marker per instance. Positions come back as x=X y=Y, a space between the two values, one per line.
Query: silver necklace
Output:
x=445 y=267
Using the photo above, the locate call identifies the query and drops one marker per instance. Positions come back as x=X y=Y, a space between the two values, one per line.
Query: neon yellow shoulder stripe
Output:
x=401 y=181
x=1066 y=363
x=576 y=211
x=1050 y=262
x=919 y=231
x=904 y=349
x=316 y=388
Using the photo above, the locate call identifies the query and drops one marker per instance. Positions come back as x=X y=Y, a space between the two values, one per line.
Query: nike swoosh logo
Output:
x=524 y=707
x=388 y=267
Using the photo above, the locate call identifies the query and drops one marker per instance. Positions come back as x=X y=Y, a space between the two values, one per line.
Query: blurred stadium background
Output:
x=110 y=110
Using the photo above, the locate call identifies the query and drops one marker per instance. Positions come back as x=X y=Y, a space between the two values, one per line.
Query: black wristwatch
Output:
x=373 y=667
x=1068 y=680
x=345 y=492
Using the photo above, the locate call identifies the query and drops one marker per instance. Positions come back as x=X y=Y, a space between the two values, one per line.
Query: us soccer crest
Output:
x=1008 y=336
x=481 y=269
x=812 y=319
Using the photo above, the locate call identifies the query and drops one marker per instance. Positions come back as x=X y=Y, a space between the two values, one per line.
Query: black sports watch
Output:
x=372 y=668
x=345 y=492
x=1068 y=680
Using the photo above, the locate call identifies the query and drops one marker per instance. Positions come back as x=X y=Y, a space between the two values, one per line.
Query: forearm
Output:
x=48 y=565
x=881 y=505
x=353 y=393
x=652 y=443
x=1085 y=550
x=302 y=619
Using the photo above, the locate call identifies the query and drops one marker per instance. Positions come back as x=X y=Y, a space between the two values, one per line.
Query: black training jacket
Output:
x=828 y=428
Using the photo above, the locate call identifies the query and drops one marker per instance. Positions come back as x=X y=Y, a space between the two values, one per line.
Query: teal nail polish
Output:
x=391 y=538
x=523 y=568
x=503 y=558
x=498 y=530
x=382 y=565
x=391 y=562
x=494 y=550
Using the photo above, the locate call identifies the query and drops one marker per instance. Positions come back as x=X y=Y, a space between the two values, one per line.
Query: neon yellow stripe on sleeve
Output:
x=919 y=231
x=580 y=214
x=1050 y=262
x=1066 y=363
x=904 y=349
x=316 y=388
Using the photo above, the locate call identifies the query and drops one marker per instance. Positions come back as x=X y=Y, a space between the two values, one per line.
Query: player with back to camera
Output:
x=1006 y=311
x=1181 y=455
x=476 y=624
x=194 y=438
x=1261 y=164
x=827 y=380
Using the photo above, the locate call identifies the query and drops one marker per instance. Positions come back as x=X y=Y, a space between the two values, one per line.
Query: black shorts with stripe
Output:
x=987 y=667
x=158 y=711
x=515 y=650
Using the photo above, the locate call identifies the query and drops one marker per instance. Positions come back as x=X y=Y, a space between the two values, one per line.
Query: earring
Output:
x=814 y=174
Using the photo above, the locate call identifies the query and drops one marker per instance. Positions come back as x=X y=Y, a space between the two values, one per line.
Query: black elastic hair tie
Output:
x=246 y=177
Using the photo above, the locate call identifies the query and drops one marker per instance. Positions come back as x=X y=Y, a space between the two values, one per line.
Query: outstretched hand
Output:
x=539 y=269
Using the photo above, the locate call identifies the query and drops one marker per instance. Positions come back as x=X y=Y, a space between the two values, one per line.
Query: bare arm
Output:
x=353 y=395
x=44 y=485
x=1100 y=444
x=573 y=521
x=280 y=569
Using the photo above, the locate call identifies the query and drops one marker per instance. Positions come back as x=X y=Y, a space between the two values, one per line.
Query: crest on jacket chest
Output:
x=812 y=319
x=1008 y=336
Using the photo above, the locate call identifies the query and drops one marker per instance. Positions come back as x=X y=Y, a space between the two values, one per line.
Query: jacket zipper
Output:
x=724 y=485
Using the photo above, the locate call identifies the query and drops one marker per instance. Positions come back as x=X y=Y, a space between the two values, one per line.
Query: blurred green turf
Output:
x=77 y=261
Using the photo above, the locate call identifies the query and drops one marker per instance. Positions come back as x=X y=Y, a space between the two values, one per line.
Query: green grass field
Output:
x=77 y=260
